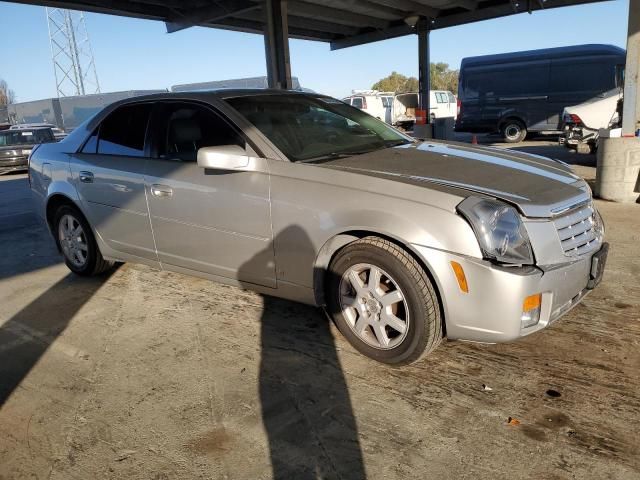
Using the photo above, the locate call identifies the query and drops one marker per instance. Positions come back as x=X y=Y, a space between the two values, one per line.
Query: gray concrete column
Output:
x=276 y=44
x=618 y=171
x=631 y=109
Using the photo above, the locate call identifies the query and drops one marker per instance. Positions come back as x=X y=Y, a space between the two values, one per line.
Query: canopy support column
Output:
x=618 y=171
x=631 y=108
x=276 y=44
x=424 y=129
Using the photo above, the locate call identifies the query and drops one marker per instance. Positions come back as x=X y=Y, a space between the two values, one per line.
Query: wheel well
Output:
x=504 y=121
x=338 y=242
x=55 y=202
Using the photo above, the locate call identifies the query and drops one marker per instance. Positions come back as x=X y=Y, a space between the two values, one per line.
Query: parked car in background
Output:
x=400 y=109
x=582 y=122
x=58 y=133
x=16 y=146
x=303 y=197
x=521 y=92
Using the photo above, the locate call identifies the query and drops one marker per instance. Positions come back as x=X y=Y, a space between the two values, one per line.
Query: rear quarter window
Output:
x=592 y=77
x=123 y=131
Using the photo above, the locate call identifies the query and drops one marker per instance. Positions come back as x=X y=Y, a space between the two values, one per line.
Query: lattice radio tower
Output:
x=73 y=64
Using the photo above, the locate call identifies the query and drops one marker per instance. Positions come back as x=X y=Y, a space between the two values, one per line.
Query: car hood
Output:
x=538 y=186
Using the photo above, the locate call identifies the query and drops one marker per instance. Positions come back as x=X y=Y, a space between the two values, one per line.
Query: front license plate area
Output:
x=598 y=262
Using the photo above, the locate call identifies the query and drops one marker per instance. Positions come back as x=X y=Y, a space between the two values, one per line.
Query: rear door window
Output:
x=357 y=102
x=123 y=131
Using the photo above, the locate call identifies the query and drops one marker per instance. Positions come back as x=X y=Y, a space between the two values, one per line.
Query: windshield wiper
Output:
x=336 y=155
x=396 y=143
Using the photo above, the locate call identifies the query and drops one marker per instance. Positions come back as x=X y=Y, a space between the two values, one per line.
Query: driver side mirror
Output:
x=224 y=157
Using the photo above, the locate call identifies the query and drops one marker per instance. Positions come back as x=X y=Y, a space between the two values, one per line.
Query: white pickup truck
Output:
x=400 y=109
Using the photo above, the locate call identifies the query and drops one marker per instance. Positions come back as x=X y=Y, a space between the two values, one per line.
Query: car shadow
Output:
x=306 y=406
x=29 y=334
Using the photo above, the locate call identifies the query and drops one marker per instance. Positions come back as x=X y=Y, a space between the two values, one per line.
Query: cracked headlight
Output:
x=499 y=230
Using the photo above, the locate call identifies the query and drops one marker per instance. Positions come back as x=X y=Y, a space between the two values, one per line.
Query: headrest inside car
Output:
x=184 y=130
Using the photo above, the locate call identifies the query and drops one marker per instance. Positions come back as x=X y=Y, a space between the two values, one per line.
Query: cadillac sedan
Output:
x=303 y=197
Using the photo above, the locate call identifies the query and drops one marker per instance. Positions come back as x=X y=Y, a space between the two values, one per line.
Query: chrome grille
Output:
x=577 y=230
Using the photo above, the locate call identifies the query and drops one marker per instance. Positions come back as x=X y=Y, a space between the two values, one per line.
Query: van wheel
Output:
x=514 y=131
x=76 y=242
x=383 y=302
x=585 y=148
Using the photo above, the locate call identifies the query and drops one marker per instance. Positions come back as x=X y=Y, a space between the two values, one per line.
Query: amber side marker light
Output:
x=531 y=310
x=460 y=276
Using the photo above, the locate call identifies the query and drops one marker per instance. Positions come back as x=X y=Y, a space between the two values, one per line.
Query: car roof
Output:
x=205 y=96
x=220 y=94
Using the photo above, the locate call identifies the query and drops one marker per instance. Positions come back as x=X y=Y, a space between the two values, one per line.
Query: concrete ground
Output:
x=153 y=375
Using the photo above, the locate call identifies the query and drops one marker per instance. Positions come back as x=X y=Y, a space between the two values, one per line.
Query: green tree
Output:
x=396 y=82
x=442 y=78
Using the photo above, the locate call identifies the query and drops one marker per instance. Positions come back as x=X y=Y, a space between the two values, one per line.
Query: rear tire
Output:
x=77 y=244
x=514 y=131
x=393 y=315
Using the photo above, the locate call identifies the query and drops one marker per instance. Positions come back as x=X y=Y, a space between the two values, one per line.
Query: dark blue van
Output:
x=516 y=93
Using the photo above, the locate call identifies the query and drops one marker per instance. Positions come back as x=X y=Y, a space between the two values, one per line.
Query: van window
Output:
x=441 y=97
x=580 y=77
x=512 y=81
x=357 y=102
x=452 y=98
x=387 y=101
x=123 y=131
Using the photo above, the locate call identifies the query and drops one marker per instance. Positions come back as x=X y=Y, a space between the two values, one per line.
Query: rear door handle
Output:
x=158 y=190
x=86 y=177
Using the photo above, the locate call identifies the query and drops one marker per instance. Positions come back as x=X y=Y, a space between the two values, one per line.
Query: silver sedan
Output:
x=303 y=197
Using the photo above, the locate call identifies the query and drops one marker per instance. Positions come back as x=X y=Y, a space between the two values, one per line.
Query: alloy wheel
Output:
x=374 y=306
x=73 y=240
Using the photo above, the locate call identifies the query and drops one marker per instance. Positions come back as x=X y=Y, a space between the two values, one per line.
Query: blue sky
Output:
x=138 y=54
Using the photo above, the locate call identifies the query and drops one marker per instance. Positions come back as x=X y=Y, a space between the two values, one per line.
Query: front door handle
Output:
x=86 y=177
x=158 y=190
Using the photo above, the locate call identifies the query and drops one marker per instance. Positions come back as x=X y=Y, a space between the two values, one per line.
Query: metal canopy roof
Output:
x=343 y=23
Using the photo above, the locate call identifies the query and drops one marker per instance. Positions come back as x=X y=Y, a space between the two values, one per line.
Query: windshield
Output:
x=25 y=137
x=307 y=128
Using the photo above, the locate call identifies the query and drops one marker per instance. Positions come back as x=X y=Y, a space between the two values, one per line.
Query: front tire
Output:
x=383 y=302
x=77 y=244
x=514 y=131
